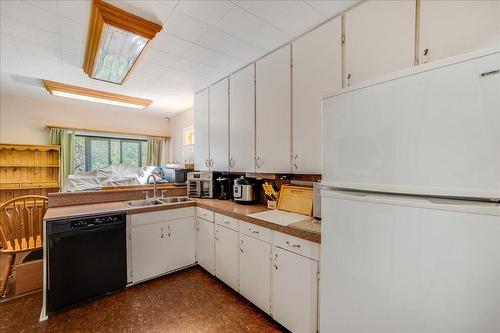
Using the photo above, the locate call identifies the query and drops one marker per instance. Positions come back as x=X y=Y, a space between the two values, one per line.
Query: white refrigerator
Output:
x=410 y=203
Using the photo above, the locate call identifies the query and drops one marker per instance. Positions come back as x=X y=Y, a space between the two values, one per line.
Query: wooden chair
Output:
x=21 y=227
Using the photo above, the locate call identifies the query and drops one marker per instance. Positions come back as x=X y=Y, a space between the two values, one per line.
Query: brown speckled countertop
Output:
x=308 y=229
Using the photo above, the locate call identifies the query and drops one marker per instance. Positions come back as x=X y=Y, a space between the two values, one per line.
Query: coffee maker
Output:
x=224 y=188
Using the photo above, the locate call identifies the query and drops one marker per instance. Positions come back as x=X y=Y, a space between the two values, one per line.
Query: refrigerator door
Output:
x=430 y=130
x=402 y=264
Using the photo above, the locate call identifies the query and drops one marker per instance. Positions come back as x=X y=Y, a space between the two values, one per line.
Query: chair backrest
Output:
x=21 y=222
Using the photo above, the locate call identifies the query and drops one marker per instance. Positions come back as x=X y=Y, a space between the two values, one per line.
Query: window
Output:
x=94 y=152
x=188 y=136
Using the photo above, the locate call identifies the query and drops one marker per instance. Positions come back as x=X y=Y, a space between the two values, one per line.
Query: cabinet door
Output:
x=148 y=251
x=255 y=271
x=180 y=243
x=294 y=291
x=219 y=125
x=273 y=112
x=449 y=28
x=317 y=71
x=242 y=120
x=379 y=39
x=201 y=138
x=205 y=247
x=226 y=256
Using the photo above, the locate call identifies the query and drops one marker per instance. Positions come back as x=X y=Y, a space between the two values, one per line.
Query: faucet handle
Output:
x=147 y=194
x=163 y=193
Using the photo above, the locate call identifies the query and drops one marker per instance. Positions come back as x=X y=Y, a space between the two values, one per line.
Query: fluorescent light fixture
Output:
x=116 y=40
x=85 y=94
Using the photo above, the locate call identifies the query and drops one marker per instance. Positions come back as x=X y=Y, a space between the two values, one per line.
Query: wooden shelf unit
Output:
x=28 y=169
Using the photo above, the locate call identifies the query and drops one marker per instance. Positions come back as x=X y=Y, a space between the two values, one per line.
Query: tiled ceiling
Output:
x=201 y=42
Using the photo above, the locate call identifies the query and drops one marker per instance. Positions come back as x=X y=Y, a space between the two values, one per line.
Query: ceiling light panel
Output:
x=115 y=43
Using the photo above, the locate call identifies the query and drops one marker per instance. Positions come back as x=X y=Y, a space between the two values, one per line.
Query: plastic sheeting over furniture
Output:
x=112 y=175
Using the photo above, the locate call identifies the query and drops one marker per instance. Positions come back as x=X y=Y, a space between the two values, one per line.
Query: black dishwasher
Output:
x=85 y=258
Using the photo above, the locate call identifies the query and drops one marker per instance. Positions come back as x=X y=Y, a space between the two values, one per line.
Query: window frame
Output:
x=109 y=139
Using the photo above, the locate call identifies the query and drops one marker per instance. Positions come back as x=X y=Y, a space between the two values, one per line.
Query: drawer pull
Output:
x=292 y=244
x=253 y=231
x=226 y=222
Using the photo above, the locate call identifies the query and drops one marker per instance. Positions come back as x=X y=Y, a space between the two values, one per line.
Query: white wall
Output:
x=176 y=125
x=23 y=119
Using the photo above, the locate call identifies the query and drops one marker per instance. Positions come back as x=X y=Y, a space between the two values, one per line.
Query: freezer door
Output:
x=432 y=130
x=392 y=264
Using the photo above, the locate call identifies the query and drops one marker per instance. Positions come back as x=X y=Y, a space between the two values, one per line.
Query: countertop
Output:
x=308 y=229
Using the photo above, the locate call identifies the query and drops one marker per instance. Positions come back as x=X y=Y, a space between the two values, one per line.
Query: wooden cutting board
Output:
x=296 y=199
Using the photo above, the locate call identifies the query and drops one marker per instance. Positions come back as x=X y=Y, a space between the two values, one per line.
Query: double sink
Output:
x=157 y=201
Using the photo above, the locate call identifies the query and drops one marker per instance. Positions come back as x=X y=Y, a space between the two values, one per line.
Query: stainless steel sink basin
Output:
x=144 y=203
x=157 y=201
x=176 y=199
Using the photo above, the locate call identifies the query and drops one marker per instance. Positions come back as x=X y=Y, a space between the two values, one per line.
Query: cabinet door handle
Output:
x=231 y=162
x=226 y=222
x=168 y=231
x=162 y=234
x=348 y=79
x=253 y=231
x=292 y=244
x=257 y=162
x=241 y=250
x=276 y=261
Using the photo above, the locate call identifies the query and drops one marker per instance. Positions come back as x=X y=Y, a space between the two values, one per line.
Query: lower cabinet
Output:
x=255 y=271
x=205 y=247
x=181 y=244
x=226 y=256
x=294 y=291
x=148 y=249
x=160 y=247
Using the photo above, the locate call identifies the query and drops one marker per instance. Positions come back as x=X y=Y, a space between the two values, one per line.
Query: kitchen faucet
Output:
x=154 y=184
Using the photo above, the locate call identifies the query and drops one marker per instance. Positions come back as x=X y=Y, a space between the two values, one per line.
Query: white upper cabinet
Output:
x=317 y=71
x=449 y=28
x=242 y=120
x=379 y=39
x=219 y=125
x=273 y=112
x=201 y=138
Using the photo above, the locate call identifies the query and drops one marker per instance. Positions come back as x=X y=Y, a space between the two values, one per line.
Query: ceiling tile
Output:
x=72 y=29
x=72 y=45
x=268 y=37
x=219 y=41
x=212 y=58
x=37 y=49
x=239 y=23
x=331 y=8
x=10 y=62
x=28 y=32
x=35 y=16
x=183 y=81
x=76 y=10
x=246 y=52
x=292 y=17
x=207 y=11
x=49 y=5
x=196 y=68
x=170 y=44
x=185 y=27
x=155 y=11
x=159 y=57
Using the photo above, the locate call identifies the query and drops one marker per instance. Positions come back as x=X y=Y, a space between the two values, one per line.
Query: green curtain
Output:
x=63 y=138
x=155 y=149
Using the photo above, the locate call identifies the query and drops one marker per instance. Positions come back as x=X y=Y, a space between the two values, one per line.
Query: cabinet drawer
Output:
x=205 y=214
x=256 y=231
x=297 y=245
x=226 y=221
x=161 y=216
